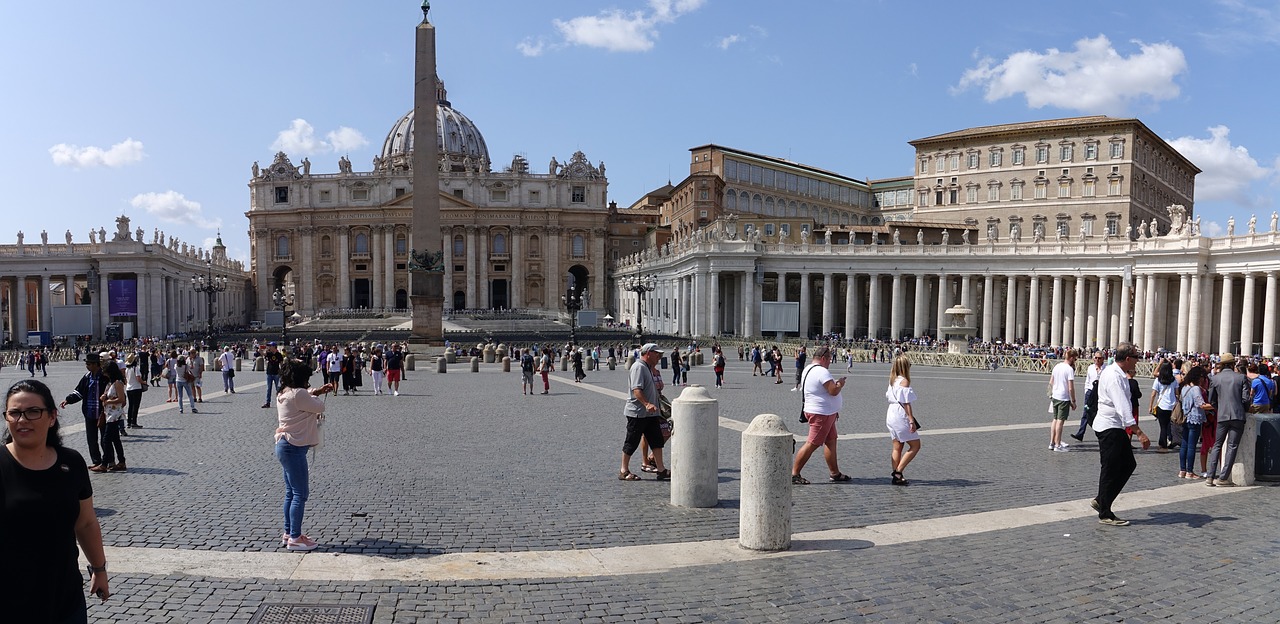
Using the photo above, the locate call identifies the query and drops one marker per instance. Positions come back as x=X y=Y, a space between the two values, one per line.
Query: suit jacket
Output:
x=1229 y=394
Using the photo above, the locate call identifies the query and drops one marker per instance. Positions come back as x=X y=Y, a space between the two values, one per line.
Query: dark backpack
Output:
x=1091 y=401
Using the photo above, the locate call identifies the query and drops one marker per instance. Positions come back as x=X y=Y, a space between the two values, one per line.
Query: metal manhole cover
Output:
x=312 y=614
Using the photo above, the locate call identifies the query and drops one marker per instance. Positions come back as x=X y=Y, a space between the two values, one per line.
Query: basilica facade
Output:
x=513 y=238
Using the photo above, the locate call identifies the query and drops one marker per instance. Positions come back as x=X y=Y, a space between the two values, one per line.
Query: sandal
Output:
x=840 y=477
x=648 y=468
x=664 y=475
x=898 y=479
x=627 y=475
x=799 y=480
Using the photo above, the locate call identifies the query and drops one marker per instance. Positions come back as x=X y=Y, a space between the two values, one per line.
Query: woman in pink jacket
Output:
x=300 y=413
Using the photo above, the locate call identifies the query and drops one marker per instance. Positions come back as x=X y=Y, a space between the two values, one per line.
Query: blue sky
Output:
x=158 y=109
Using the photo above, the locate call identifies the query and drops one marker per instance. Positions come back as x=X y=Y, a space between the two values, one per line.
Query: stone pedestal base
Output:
x=428 y=319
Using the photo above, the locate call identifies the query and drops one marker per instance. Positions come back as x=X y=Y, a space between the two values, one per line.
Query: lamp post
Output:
x=640 y=285
x=573 y=303
x=210 y=286
x=284 y=302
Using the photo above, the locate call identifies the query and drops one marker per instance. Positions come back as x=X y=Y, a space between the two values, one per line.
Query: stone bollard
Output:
x=564 y=363
x=1244 y=470
x=629 y=361
x=506 y=364
x=613 y=363
x=765 y=518
x=442 y=365
x=488 y=354
x=451 y=355
x=475 y=364
x=410 y=362
x=695 y=480
x=591 y=364
x=501 y=351
x=239 y=362
x=259 y=364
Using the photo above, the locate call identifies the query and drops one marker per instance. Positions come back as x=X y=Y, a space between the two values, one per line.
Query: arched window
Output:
x=768 y=206
x=282 y=247
x=362 y=243
x=731 y=200
x=579 y=246
x=535 y=246
x=459 y=246
x=757 y=204
x=326 y=246
x=402 y=244
x=499 y=244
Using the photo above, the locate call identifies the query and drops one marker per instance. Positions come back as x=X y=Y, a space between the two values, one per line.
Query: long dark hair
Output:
x=112 y=371
x=1165 y=376
x=54 y=439
x=294 y=373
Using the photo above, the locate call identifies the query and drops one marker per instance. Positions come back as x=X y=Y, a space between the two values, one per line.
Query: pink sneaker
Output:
x=284 y=539
x=302 y=543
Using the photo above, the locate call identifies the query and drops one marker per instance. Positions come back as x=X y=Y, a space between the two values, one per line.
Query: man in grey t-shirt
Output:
x=642 y=412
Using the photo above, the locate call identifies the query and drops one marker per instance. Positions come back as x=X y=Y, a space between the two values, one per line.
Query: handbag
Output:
x=803 y=418
x=1178 y=417
x=189 y=377
x=231 y=372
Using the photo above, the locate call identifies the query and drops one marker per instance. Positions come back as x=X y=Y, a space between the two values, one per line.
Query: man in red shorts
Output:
x=395 y=366
x=822 y=402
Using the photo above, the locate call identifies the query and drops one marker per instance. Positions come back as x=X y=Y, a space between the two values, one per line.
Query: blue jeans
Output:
x=273 y=386
x=296 y=489
x=228 y=382
x=1190 y=446
x=185 y=387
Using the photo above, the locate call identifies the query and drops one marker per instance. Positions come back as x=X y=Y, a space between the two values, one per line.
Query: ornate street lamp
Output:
x=640 y=285
x=283 y=302
x=573 y=302
x=210 y=286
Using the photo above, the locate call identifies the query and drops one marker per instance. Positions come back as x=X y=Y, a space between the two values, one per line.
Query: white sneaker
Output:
x=793 y=389
x=1060 y=449
x=1062 y=445
x=395 y=393
x=301 y=544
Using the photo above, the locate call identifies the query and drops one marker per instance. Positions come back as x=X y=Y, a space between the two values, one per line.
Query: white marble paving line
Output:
x=625 y=560
x=738 y=425
x=72 y=412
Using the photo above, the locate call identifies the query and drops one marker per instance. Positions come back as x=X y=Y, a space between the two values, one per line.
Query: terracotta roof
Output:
x=1046 y=124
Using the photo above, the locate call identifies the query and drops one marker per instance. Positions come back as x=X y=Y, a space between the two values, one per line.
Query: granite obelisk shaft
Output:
x=426 y=289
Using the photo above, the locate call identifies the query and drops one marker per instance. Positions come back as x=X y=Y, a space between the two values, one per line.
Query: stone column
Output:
x=517 y=273
x=344 y=267
x=1122 y=323
x=19 y=304
x=389 y=267
x=805 y=304
x=262 y=248
x=699 y=297
x=473 y=261
x=965 y=294
x=1078 y=317
x=828 y=302
x=1010 y=307
x=897 y=313
x=1035 y=316
x=873 y=309
x=46 y=302
x=482 y=269
x=375 y=285
x=850 y=305
x=303 y=282
x=1091 y=315
x=920 y=320
x=1184 y=313
x=988 y=309
x=749 y=304
x=944 y=302
x=1269 y=316
x=1055 y=307
x=1224 y=329
x=858 y=306
x=1023 y=321
x=682 y=296
x=1102 y=330
x=1246 y=318
x=1194 y=298
x=1140 y=309
x=781 y=295
x=713 y=304
x=1149 y=328
x=599 y=266
x=554 y=285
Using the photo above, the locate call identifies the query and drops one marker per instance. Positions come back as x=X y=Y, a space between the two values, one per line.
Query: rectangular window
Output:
x=535 y=197
x=1066 y=153
x=1064 y=189
x=1041 y=190
x=730 y=169
x=924 y=165
x=360 y=194
x=635 y=243
x=1018 y=156
x=1117 y=150
x=1088 y=188
x=498 y=195
x=1015 y=192
x=955 y=162
x=793 y=182
x=785 y=229
x=282 y=194
x=457 y=193
x=973 y=160
x=954 y=196
x=1062 y=227
x=768 y=229
x=1113 y=226
x=325 y=196
x=702 y=214
x=1113 y=187
x=995 y=159
x=971 y=195
x=938 y=165
x=1042 y=154
x=768 y=178
x=993 y=193
x=1091 y=151
x=579 y=195
x=400 y=192
x=757 y=174
x=1087 y=224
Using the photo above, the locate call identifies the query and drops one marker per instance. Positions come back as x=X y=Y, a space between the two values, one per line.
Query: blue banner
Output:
x=122 y=296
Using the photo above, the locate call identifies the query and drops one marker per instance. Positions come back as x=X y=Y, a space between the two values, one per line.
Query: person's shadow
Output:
x=1192 y=520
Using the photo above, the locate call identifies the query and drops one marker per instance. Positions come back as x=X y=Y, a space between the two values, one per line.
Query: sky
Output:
x=158 y=110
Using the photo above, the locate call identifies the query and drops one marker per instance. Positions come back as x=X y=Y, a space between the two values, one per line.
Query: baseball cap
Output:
x=651 y=347
x=271 y=344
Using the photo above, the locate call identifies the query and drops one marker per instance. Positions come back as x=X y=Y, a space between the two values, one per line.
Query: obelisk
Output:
x=426 y=264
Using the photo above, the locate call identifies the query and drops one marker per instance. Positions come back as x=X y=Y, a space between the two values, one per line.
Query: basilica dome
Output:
x=461 y=145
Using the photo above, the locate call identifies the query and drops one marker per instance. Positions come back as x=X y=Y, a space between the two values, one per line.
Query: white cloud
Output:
x=123 y=153
x=1228 y=170
x=532 y=47
x=1213 y=229
x=616 y=30
x=1092 y=78
x=173 y=207
x=724 y=43
x=300 y=139
x=913 y=69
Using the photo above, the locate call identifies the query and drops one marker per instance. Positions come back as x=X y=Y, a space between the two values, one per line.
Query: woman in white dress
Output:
x=899 y=419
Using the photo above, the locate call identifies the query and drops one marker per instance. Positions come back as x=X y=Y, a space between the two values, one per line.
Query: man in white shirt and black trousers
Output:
x=1115 y=415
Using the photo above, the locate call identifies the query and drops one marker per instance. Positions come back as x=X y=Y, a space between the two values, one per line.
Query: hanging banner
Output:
x=122 y=296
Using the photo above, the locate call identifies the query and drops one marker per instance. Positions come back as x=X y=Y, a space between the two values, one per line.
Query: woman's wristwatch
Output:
x=96 y=569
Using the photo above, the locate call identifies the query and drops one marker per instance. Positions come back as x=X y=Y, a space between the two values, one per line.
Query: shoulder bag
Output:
x=803 y=418
x=1178 y=417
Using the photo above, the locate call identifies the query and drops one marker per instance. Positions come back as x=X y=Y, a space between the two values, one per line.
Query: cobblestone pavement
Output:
x=464 y=463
